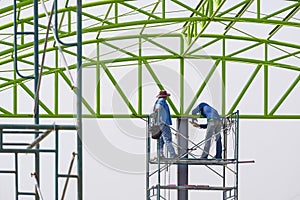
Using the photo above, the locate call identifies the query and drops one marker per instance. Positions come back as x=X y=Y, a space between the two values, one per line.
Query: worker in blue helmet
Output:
x=213 y=127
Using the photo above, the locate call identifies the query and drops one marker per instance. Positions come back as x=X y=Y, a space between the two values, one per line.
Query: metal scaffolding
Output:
x=37 y=133
x=18 y=140
x=226 y=168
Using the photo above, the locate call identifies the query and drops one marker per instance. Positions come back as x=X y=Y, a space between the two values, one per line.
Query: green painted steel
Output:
x=131 y=20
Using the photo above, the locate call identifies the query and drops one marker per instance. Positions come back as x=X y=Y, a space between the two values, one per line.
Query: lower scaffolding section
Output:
x=192 y=187
x=229 y=193
x=194 y=161
x=38 y=151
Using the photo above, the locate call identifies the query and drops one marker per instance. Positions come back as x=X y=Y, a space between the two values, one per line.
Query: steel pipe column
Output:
x=182 y=170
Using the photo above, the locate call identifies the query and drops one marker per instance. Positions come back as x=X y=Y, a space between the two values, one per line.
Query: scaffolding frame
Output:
x=228 y=164
x=16 y=148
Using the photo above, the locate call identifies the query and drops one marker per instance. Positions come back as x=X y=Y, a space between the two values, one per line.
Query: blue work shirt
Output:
x=164 y=110
x=207 y=111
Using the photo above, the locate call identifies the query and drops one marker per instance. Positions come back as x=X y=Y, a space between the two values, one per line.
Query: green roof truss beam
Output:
x=105 y=19
x=140 y=10
x=281 y=11
x=153 y=10
x=118 y=88
x=119 y=49
x=159 y=85
x=201 y=88
x=239 y=14
x=194 y=26
x=232 y=8
x=84 y=102
x=238 y=99
x=161 y=46
x=285 y=95
x=26 y=89
x=204 y=46
x=6 y=112
x=288 y=17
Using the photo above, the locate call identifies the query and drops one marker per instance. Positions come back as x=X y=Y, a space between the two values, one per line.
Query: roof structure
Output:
x=235 y=46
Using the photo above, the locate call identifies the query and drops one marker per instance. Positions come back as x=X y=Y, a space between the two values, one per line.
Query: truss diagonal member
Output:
x=119 y=49
x=294 y=54
x=287 y=18
x=204 y=46
x=58 y=44
x=238 y=99
x=280 y=11
x=118 y=88
x=32 y=95
x=160 y=86
x=84 y=102
x=194 y=11
x=105 y=18
x=209 y=75
x=5 y=111
x=140 y=10
x=231 y=8
x=285 y=95
x=153 y=10
x=239 y=14
x=161 y=46
x=210 y=13
x=39 y=139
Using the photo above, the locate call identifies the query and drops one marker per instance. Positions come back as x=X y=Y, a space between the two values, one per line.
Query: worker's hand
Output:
x=194 y=120
x=195 y=125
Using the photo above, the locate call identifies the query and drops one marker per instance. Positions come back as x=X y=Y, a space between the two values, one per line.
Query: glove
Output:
x=194 y=122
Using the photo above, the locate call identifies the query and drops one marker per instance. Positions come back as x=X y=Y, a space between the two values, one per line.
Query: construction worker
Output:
x=213 y=126
x=161 y=107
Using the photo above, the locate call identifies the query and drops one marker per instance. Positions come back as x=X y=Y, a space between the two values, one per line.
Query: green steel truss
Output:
x=241 y=32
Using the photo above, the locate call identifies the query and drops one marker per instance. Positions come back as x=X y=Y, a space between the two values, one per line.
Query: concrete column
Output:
x=182 y=170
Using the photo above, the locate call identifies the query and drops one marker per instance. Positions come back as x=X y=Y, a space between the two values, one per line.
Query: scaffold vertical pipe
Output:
x=36 y=77
x=182 y=170
x=56 y=164
x=16 y=176
x=79 y=98
x=158 y=170
x=36 y=58
x=140 y=81
x=147 y=161
x=237 y=152
x=36 y=157
x=1 y=139
x=224 y=153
